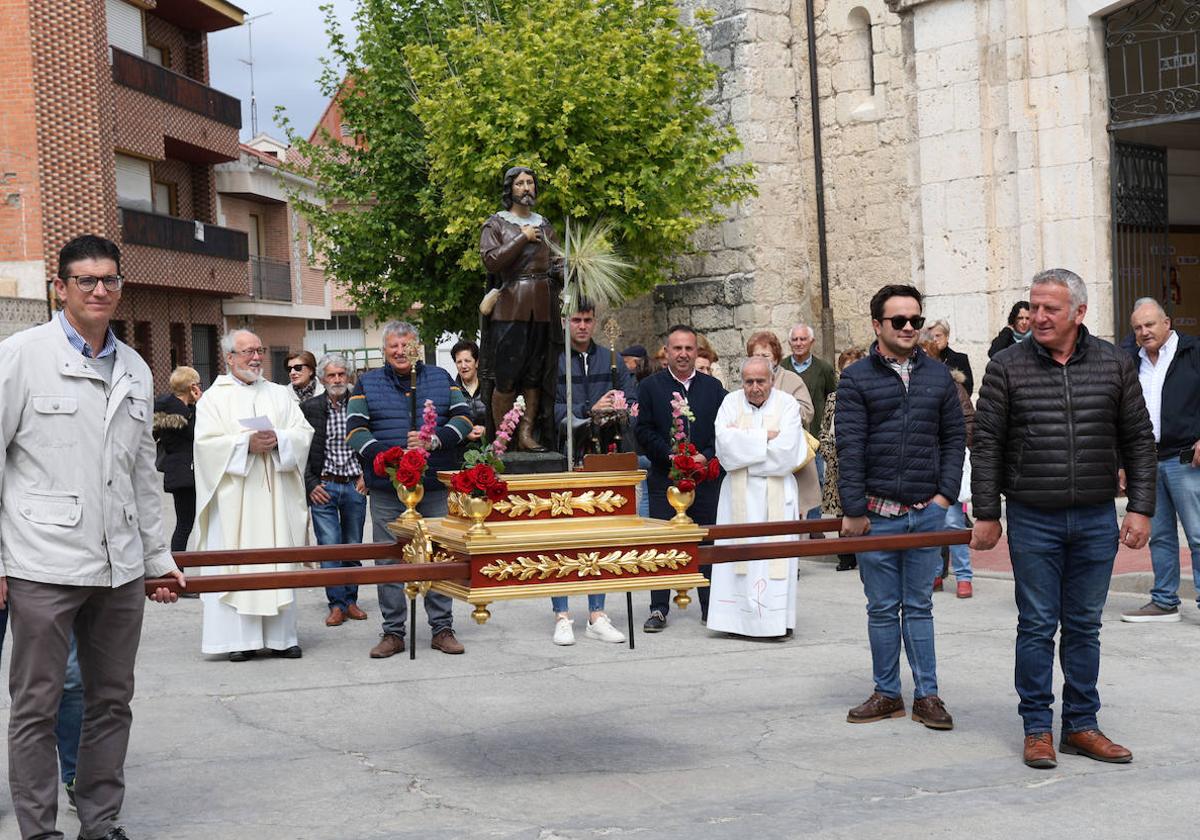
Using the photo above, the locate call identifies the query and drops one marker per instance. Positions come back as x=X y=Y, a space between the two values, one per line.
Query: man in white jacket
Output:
x=80 y=529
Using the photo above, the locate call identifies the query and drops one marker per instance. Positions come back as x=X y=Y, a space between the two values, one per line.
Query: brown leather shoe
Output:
x=446 y=643
x=356 y=612
x=1039 y=751
x=335 y=618
x=1093 y=744
x=876 y=707
x=931 y=711
x=389 y=645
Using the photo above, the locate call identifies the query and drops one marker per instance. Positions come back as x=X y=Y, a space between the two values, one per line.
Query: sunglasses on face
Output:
x=898 y=321
x=296 y=368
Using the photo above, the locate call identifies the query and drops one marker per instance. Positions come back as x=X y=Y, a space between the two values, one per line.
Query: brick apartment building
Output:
x=288 y=291
x=110 y=128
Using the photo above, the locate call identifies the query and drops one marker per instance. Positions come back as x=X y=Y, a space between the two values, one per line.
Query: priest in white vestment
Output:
x=760 y=442
x=251 y=447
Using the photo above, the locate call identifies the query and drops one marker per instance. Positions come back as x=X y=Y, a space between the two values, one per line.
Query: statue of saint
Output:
x=521 y=306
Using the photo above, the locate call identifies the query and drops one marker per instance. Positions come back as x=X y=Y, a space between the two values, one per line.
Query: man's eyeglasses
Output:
x=296 y=368
x=87 y=283
x=250 y=352
x=898 y=321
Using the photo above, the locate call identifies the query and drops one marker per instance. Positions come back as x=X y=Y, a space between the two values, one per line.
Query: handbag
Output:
x=811 y=444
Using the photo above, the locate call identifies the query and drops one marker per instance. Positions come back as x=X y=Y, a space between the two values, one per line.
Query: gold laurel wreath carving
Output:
x=587 y=564
x=560 y=504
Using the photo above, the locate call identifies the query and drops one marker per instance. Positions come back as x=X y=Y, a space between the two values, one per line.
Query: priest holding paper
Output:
x=251 y=447
x=760 y=442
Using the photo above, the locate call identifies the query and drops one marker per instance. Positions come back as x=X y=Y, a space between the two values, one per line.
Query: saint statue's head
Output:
x=520 y=187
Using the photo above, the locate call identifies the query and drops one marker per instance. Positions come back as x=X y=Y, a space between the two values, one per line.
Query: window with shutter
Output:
x=125 y=28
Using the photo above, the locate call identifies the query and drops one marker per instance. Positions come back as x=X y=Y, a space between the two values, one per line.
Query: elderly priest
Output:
x=251 y=447
x=760 y=443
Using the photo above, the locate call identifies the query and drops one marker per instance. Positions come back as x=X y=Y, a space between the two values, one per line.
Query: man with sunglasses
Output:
x=900 y=443
x=80 y=529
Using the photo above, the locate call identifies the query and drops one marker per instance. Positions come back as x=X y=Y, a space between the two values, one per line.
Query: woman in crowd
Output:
x=958 y=556
x=765 y=345
x=939 y=334
x=1018 y=328
x=174 y=429
x=831 y=500
x=302 y=374
x=466 y=359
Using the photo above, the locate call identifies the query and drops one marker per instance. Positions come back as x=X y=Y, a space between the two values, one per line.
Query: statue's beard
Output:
x=526 y=199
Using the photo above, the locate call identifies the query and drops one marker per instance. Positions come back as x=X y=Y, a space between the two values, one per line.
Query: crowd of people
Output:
x=890 y=439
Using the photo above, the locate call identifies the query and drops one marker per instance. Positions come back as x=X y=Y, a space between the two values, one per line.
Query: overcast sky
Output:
x=288 y=46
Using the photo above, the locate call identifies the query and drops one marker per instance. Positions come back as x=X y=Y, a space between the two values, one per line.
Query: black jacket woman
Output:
x=1018 y=328
x=174 y=429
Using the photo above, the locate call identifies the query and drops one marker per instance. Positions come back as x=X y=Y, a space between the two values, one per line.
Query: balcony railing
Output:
x=270 y=279
x=156 y=231
x=149 y=78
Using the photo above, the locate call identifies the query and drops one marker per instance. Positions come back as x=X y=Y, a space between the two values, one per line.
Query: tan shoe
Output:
x=1039 y=751
x=1093 y=744
x=876 y=707
x=335 y=617
x=355 y=612
x=389 y=645
x=446 y=643
x=931 y=711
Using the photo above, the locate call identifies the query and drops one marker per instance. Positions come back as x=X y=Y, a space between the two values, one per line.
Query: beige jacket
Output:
x=79 y=494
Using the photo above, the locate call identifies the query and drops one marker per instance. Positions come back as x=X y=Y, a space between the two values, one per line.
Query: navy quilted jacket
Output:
x=906 y=445
x=378 y=417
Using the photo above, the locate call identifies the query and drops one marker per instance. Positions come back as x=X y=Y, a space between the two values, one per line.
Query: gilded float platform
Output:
x=567 y=533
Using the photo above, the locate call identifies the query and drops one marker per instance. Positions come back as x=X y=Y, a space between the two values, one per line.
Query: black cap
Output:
x=635 y=350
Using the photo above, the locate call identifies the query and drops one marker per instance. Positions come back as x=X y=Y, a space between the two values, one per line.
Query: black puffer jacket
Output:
x=901 y=444
x=174 y=429
x=1053 y=436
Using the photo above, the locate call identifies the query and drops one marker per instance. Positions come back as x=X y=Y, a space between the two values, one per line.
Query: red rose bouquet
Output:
x=406 y=467
x=686 y=471
x=480 y=481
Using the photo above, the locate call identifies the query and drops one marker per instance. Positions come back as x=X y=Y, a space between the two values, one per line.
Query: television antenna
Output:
x=249 y=24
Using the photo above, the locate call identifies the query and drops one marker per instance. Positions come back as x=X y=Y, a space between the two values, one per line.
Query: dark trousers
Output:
x=185 y=512
x=704 y=512
x=1062 y=564
x=108 y=626
x=385 y=508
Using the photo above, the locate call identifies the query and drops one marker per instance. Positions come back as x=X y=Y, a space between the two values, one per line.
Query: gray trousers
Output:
x=108 y=626
x=385 y=507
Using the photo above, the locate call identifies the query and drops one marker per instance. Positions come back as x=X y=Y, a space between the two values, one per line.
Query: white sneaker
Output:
x=603 y=630
x=564 y=631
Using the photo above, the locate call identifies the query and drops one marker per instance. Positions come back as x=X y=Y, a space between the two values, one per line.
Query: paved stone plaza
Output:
x=690 y=735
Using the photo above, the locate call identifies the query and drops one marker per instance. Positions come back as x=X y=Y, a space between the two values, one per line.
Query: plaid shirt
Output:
x=339 y=458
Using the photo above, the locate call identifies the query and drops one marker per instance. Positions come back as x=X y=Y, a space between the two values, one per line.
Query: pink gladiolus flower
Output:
x=428 y=422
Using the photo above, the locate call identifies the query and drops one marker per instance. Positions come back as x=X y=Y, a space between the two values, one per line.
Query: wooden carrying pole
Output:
x=410 y=572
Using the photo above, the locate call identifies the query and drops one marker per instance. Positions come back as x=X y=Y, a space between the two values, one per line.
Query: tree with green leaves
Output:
x=604 y=99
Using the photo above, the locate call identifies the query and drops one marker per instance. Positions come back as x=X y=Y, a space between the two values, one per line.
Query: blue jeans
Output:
x=643 y=505
x=960 y=555
x=1062 y=563
x=340 y=521
x=558 y=603
x=385 y=507
x=1178 y=494
x=899 y=590
x=70 y=717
